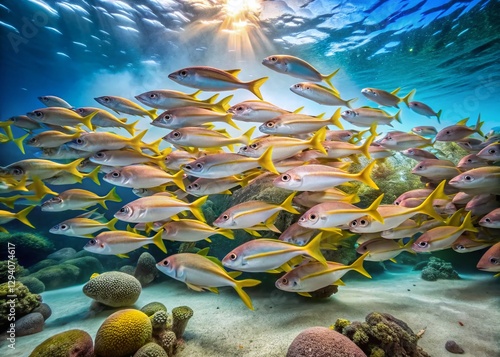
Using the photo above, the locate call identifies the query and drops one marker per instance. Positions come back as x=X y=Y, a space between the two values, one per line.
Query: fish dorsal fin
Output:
x=463 y=121
x=393 y=260
x=233 y=72
x=203 y=252
x=396 y=91
x=234 y=274
x=298 y=110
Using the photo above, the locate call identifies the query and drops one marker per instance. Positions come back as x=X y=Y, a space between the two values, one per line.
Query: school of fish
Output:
x=309 y=155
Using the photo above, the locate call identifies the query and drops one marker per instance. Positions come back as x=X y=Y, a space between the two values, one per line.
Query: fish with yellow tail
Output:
x=341 y=149
x=200 y=273
x=143 y=176
x=321 y=177
x=61 y=116
x=298 y=68
x=10 y=138
x=6 y=216
x=214 y=79
x=78 y=199
x=490 y=261
x=387 y=99
x=82 y=226
x=202 y=186
x=124 y=105
x=398 y=140
x=53 y=101
x=477 y=181
x=295 y=124
x=267 y=255
x=425 y=110
x=251 y=213
x=460 y=130
x=365 y=116
x=311 y=198
x=190 y=230
x=380 y=249
x=313 y=276
x=321 y=94
x=40 y=168
x=51 y=139
x=122 y=242
x=177 y=118
x=394 y=215
x=205 y=138
x=258 y=111
x=105 y=119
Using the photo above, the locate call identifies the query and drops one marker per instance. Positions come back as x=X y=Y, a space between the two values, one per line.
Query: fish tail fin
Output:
x=40 y=189
x=365 y=148
x=136 y=141
x=155 y=146
x=245 y=180
x=246 y=283
x=87 y=120
x=226 y=233
x=111 y=224
x=152 y=113
x=478 y=126
x=317 y=140
x=230 y=121
x=21 y=185
x=195 y=208
x=313 y=249
x=408 y=246
x=72 y=168
x=372 y=209
x=178 y=179
x=111 y=196
x=438 y=115
x=397 y=116
x=335 y=119
x=407 y=98
x=131 y=127
x=21 y=216
x=350 y=101
x=287 y=204
x=93 y=175
x=298 y=110
x=266 y=161
x=467 y=223
x=254 y=86
x=365 y=175
x=19 y=142
x=358 y=265
x=195 y=94
x=247 y=135
x=223 y=104
x=328 y=79
x=158 y=241
x=352 y=198
x=427 y=207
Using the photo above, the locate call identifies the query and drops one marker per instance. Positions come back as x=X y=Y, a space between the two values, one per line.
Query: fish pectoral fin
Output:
x=496 y=275
x=252 y=232
x=214 y=290
x=274 y=271
x=145 y=247
x=305 y=294
x=208 y=240
x=393 y=260
x=123 y=256
x=339 y=282
x=194 y=287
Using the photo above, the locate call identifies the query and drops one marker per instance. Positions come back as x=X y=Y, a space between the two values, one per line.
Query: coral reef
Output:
x=168 y=341
x=33 y=284
x=152 y=307
x=42 y=264
x=29 y=324
x=128 y=269
x=181 y=316
x=87 y=266
x=160 y=320
x=63 y=254
x=151 y=350
x=14 y=266
x=123 y=333
x=146 y=271
x=382 y=335
x=24 y=303
x=74 y=343
x=438 y=269
x=58 y=276
x=323 y=342
x=30 y=247
x=115 y=289
x=44 y=309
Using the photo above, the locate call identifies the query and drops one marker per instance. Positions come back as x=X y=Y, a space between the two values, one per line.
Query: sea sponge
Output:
x=114 y=288
x=152 y=307
x=29 y=324
x=159 y=320
x=58 y=276
x=123 y=333
x=181 y=316
x=7 y=267
x=74 y=343
x=24 y=303
x=146 y=271
x=34 y=285
x=438 y=269
x=168 y=341
x=151 y=350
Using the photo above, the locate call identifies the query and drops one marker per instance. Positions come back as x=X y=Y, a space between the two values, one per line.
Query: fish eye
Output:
x=189 y=167
x=115 y=174
x=32 y=141
x=56 y=199
x=124 y=209
x=363 y=222
x=63 y=227
x=411 y=152
x=388 y=137
x=79 y=141
x=183 y=73
x=176 y=134
x=244 y=148
x=254 y=146
x=423 y=244
x=313 y=216
x=286 y=177
x=491 y=151
x=469 y=161
x=420 y=167
x=38 y=113
x=195 y=185
x=167 y=117
x=269 y=124
x=460 y=247
x=233 y=256
x=92 y=242
x=274 y=59
x=353 y=223
x=494 y=260
x=106 y=99
x=415 y=104
x=284 y=281
x=487 y=220
x=153 y=95
x=447 y=132
x=80 y=111
x=396 y=203
x=225 y=217
x=199 y=165
x=99 y=154
x=468 y=178
x=240 y=109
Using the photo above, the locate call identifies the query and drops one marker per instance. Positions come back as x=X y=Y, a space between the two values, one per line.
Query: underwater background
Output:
x=79 y=50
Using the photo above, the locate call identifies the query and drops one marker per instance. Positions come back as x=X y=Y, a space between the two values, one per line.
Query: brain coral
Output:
x=115 y=289
x=123 y=333
x=151 y=350
x=74 y=343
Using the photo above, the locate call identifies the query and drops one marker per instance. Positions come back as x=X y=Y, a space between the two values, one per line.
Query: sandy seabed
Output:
x=222 y=325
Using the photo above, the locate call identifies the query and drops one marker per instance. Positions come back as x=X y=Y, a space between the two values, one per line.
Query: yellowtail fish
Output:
x=251 y=213
x=459 y=131
x=380 y=249
x=471 y=145
x=309 y=198
x=157 y=208
x=471 y=161
x=105 y=119
x=387 y=99
x=124 y=105
x=293 y=124
x=61 y=116
x=100 y=141
x=214 y=79
x=51 y=139
x=146 y=192
x=122 y=242
x=125 y=157
x=394 y=215
x=482 y=204
x=440 y=238
x=398 y=140
x=177 y=118
x=78 y=199
x=466 y=243
x=491 y=220
x=490 y=153
x=24 y=122
x=340 y=149
x=296 y=67
x=321 y=177
x=40 y=168
x=168 y=99
x=21 y=216
x=313 y=276
x=199 y=272
x=424 y=130
x=177 y=158
x=53 y=101
x=366 y=116
x=227 y=164
x=436 y=170
x=190 y=230
x=425 y=110
x=340 y=135
x=82 y=226
x=283 y=147
x=202 y=186
x=266 y=255
x=478 y=180
x=256 y=111
x=205 y=138
x=143 y=176
x=418 y=154
x=336 y=214
x=10 y=138
x=298 y=235
x=67 y=178
x=9 y=184
x=321 y=94
x=409 y=228
x=490 y=261
x=63 y=152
